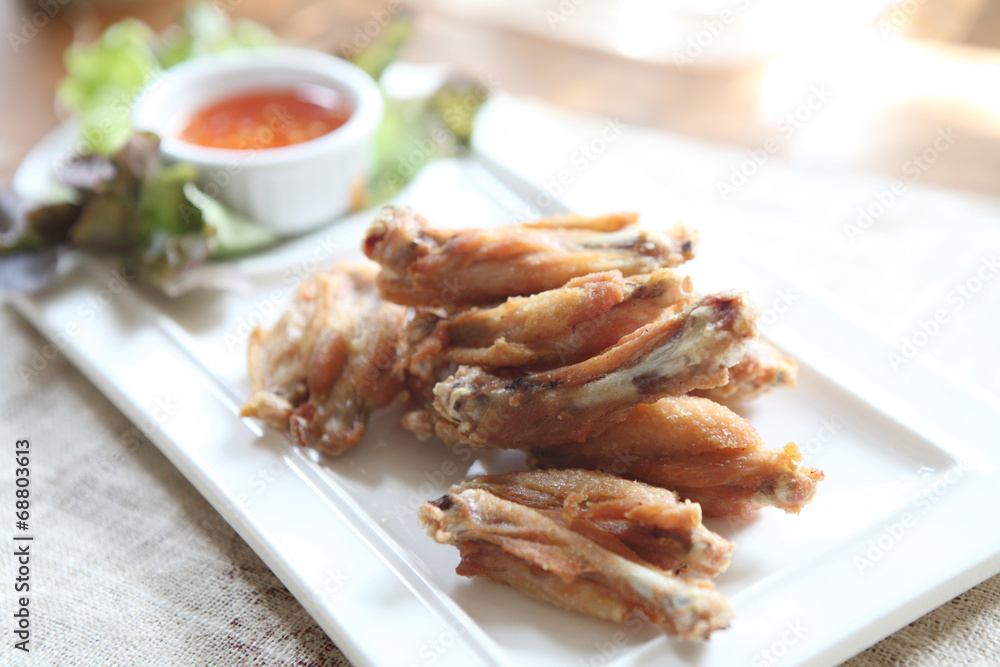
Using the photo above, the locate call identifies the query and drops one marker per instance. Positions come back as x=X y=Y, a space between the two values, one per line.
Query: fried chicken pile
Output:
x=578 y=341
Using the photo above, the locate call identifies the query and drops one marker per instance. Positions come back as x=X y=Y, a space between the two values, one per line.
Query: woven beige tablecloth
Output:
x=130 y=566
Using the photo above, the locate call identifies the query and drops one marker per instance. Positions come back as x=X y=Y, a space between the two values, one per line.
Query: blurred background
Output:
x=723 y=70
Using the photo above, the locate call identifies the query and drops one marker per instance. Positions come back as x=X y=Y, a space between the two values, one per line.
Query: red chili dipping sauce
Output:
x=268 y=118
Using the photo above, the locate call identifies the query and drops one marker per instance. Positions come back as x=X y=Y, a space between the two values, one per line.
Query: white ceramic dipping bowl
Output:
x=291 y=189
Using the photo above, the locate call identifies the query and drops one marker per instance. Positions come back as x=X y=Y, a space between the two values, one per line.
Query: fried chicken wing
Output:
x=277 y=359
x=642 y=523
x=761 y=369
x=328 y=361
x=698 y=448
x=562 y=326
x=426 y=266
x=523 y=548
x=671 y=356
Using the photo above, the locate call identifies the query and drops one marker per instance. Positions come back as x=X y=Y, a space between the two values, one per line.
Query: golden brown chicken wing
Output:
x=671 y=356
x=558 y=327
x=698 y=448
x=522 y=547
x=427 y=266
x=642 y=523
x=328 y=361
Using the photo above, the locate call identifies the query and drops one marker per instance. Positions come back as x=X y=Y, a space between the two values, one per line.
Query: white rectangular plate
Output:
x=910 y=459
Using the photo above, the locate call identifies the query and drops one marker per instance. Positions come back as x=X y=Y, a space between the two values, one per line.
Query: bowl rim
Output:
x=367 y=98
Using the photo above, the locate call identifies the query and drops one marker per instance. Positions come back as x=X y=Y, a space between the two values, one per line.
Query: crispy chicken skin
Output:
x=671 y=356
x=562 y=326
x=700 y=449
x=328 y=361
x=540 y=556
x=761 y=369
x=576 y=340
x=427 y=266
x=642 y=523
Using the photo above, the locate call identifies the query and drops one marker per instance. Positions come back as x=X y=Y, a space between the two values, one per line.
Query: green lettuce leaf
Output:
x=235 y=234
x=206 y=28
x=102 y=80
x=163 y=204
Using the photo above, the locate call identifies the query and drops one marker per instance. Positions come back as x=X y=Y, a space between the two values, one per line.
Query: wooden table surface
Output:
x=889 y=99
